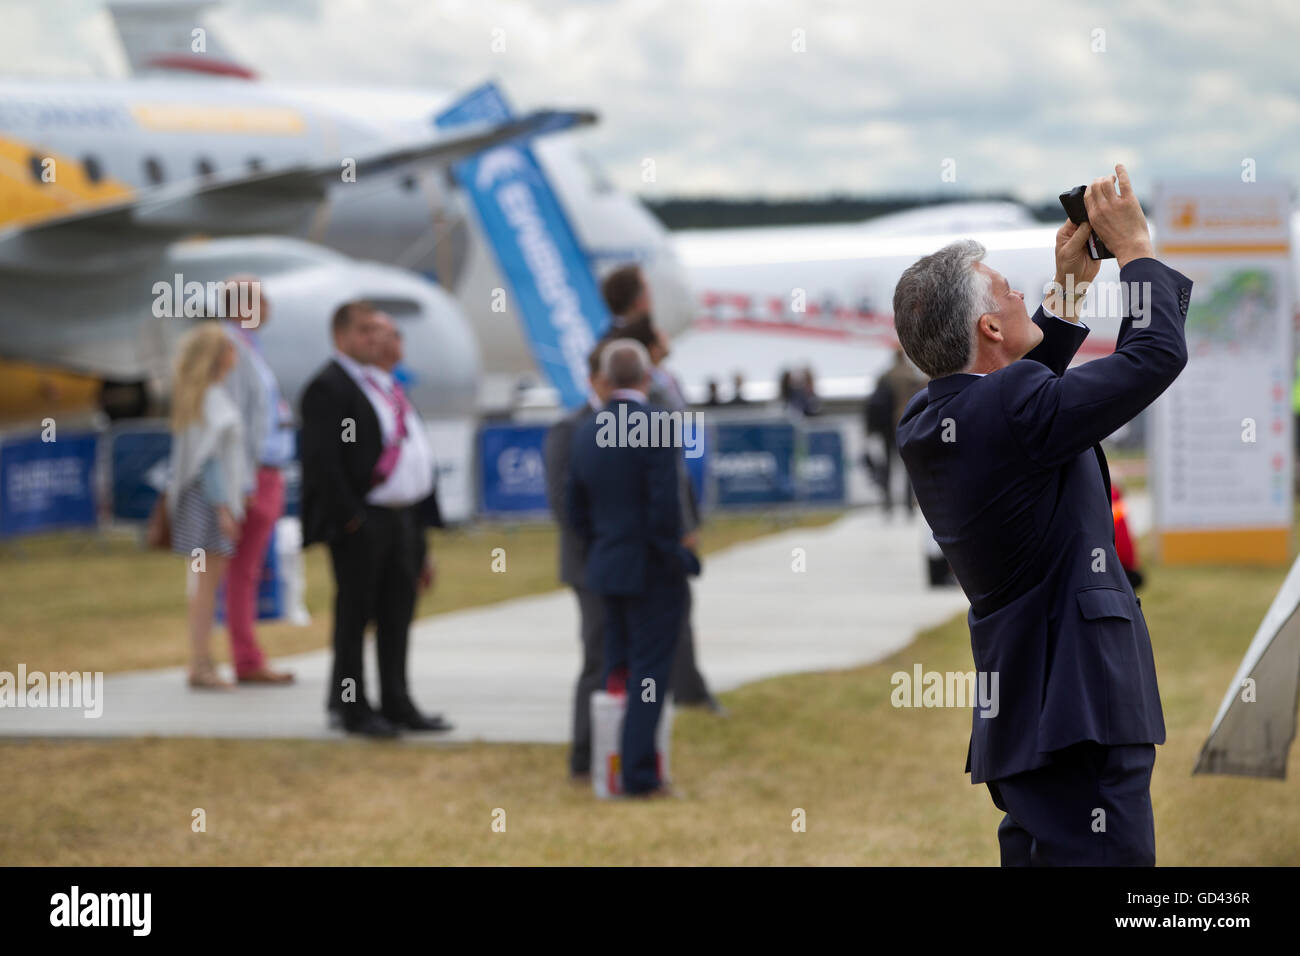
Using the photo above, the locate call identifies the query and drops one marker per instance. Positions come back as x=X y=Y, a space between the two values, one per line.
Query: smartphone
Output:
x=1078 y=213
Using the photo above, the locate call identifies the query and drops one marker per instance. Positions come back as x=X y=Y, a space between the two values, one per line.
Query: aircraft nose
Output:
x=670 y=289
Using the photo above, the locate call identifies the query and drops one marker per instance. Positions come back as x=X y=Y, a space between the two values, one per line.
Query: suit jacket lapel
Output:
x=361 y=400
x=1105 y=469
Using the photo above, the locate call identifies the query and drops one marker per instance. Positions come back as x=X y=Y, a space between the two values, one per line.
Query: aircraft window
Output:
x=204 y=166
x=153 y=170
x=94 y=172
x=408 y=182
x=254 y=164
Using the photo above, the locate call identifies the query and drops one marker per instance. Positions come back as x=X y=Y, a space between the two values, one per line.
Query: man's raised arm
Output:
x=1057 y=418
x=1058 y=316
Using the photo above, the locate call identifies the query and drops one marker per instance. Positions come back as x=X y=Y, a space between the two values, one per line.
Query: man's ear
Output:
x=989 y=327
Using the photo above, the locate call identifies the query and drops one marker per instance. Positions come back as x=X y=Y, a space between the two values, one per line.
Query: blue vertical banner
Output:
x=555 y=293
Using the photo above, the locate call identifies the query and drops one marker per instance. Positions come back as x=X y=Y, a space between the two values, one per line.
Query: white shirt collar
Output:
x=630 y=394
x=357 y=370
x=1048 y=312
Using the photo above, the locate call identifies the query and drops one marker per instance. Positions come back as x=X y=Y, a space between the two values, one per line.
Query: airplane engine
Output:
x=124 y=327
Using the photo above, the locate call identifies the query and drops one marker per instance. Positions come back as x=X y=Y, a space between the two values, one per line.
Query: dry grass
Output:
x=879 y=785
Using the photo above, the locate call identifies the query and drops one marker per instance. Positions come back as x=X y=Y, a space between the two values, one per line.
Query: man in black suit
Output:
x=621 y=500
x=591 y=606
x=1002 y=448
x=367 y=492
x=398 y=593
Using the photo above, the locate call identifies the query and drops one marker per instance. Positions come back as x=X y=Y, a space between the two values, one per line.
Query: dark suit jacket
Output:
x=661 y=396
x=622 y=503
x=336 y=474
x=1006 y=473
x=559 y=442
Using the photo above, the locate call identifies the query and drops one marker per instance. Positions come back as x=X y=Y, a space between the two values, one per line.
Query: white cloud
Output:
x=714 y=91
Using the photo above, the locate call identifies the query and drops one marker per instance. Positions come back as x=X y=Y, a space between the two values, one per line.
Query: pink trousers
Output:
x=245 y=570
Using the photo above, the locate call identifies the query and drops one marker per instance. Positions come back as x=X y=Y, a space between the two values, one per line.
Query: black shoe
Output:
x=371 y=725
x=414 y=720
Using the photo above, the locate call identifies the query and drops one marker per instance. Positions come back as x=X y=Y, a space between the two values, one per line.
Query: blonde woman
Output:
x=205 y=496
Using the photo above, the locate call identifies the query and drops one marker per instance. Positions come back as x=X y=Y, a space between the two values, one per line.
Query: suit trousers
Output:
x=1090 y=807
x=591 y=631
x=376 y=577
x=641 y=632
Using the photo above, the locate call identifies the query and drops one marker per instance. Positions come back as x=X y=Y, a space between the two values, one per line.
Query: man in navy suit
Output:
x=1002 y=448
x=622 y=503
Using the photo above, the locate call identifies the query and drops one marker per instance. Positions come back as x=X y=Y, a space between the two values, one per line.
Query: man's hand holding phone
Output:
x=1117 y=217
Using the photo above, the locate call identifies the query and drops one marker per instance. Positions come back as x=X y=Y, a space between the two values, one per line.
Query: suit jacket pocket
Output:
x=1098 y=603
x=1114 y=632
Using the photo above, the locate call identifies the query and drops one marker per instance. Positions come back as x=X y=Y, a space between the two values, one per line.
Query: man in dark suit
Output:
x=627 y=287
x=591 y=606
x=621 y=501
x=1002 y=448
x=367 y=492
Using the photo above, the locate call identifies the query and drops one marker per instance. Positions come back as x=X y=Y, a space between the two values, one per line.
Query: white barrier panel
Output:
x=293 y=578
x=607 y=712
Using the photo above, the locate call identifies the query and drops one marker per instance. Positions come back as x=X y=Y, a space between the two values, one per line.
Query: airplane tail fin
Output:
x=166 y=36
x=540 y=256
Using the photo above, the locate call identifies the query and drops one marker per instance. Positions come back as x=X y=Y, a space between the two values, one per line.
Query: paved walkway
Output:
x=506 y=672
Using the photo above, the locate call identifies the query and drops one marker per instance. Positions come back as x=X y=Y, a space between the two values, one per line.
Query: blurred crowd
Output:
x=629 y=516
x=368 y=493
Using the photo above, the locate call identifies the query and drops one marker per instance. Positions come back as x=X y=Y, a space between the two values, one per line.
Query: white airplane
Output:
x=101 y=180
x=822 y=296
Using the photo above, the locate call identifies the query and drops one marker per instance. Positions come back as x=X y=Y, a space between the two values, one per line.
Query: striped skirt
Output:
x=195 y=525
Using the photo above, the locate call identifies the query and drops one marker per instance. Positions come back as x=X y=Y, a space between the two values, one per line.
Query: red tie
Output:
x=388 y=457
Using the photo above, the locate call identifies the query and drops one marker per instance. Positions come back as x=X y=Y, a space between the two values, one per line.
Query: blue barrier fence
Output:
x=46 y=486
x=745 y=464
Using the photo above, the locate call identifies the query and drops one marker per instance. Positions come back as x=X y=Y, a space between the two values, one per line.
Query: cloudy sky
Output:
x=751 y=97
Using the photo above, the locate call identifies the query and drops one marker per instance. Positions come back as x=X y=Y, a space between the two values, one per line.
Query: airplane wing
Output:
x=105 y=237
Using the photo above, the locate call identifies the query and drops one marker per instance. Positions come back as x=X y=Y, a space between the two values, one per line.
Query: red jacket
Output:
x=1124 y=545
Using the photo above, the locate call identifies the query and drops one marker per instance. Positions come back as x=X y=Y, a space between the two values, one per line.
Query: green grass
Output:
x=878 y=785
